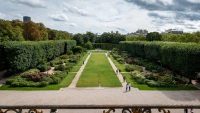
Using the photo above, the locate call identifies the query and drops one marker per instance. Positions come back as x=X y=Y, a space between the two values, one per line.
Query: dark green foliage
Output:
x=52 y=64
x=69 y=44
x=73 y=60
x=55 y=80
x=88 y=45
x=70 y=52
x=3 y=60
x=20 y=56
x=43 y=67
x=61 y=67
x=105 y=46
x=130 y=68
x=77 y=49
x=180 y=57
x=113 y=38
x=153 y=36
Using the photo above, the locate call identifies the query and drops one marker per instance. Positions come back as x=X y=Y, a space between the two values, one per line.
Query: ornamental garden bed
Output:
x=41 y=78
x=147 y=75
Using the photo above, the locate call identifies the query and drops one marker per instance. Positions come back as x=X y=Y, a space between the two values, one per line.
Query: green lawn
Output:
x=75 y=69
x=146 y=87
x=80 y=63
x=65 y=83
x=98 y=69
x=96 y=51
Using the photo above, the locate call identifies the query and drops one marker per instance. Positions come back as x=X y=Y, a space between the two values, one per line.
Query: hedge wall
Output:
x=105 y=46
x=180 y=57
x=20 y=56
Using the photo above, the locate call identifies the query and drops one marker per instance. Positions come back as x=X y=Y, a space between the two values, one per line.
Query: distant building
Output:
x=142 y=31
x=26 y=18
x=174 y=31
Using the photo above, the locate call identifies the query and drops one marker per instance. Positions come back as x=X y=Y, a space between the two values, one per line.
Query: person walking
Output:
x=117 y=71
x=129 y=86
x=124 y=78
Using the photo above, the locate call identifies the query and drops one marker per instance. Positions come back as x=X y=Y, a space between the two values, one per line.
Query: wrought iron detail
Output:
x=34 y=111
x=15 y=110
x=136 y=110
x=160 y=110
x=126 y=110
x=112 y=109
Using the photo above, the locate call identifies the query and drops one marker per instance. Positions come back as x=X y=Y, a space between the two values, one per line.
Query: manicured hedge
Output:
x=105 y=46
x=20 y=56
x=180 y=57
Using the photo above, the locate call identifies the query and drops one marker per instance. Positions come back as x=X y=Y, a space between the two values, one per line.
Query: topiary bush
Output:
x=60 y=67
x=77 y=49
x=43 y=67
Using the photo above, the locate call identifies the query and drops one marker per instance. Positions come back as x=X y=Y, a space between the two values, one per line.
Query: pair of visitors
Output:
x=128 y=86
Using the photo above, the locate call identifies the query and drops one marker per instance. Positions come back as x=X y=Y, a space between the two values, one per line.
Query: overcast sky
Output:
x=124 y=16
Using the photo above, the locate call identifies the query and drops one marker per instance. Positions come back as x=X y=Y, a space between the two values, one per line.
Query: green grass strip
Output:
x=98 y=70
x=118 y=65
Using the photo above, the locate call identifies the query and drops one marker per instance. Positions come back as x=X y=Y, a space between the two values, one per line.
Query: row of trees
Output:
x=155 y=36
x=179 y=57
x=16 y=30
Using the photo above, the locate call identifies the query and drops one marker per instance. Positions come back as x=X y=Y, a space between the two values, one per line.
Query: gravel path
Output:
x=76 y=78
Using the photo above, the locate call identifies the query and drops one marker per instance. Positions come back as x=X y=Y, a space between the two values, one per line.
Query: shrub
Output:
x=139 y=78
x=52 y=64
x=64 y=57
x=43 y=67
x=77 y=49
x=88 y=45
x=152 y=76
x=43 y=84
x=169 y=79
x=181 y=80
x=61 y=67
x=120 y=60
x=73 y=60
x=69 y=52
x=30 y=71
x=55 y=80
x=47 y=79
x=36 y=77
x=152 y=83
x=133 y=68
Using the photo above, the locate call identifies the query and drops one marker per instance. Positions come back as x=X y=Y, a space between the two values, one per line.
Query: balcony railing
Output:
x=105 y=108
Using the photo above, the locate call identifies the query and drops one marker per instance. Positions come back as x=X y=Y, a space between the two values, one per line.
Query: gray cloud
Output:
x=159 y=5
x=156 y=15
x=2 y=15
x=190 y=26
x=30 y=3
x=75 y=10
x=59 y=17
x=187 y=16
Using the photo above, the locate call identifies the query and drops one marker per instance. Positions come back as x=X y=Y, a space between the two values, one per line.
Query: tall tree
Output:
x=31 y=31
x=79 y=39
